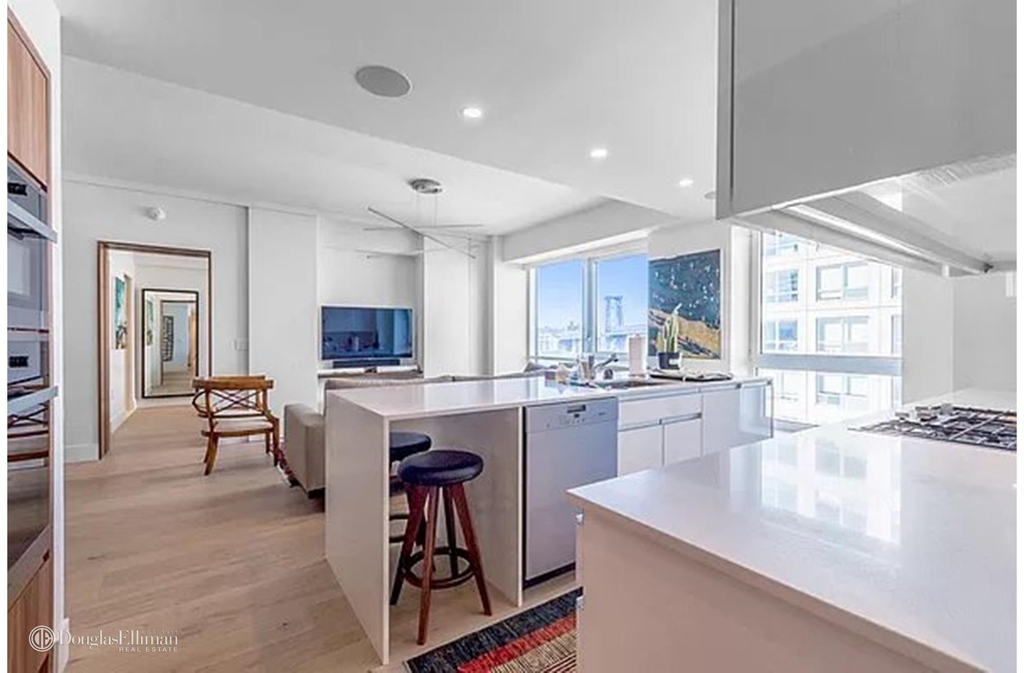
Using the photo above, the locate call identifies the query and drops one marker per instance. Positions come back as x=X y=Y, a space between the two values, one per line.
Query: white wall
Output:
x=957 y=333
x=283 y=318
x=99 y=212
x=41 y=21
x=365 y=268
x=121 y=370
x=454 y=322
x=735 y=244
x=984 y=333
x=508 y=312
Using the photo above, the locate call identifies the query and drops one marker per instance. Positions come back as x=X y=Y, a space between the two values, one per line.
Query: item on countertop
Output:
x=562 y=373
x=637 y=355
x=668 y=361
x=699 y=377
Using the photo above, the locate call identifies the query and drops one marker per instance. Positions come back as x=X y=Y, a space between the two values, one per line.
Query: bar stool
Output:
x=401 y=445
x=430 y=477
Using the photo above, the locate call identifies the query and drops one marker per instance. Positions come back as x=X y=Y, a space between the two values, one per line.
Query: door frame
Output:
x=103 y=249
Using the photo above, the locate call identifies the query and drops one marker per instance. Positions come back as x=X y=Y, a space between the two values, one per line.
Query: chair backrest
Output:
x=232 y=396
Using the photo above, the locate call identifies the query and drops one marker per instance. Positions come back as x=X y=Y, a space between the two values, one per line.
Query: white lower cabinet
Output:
x=639 y=448
x=681 y=439
x=668 y=429
x=737 y=415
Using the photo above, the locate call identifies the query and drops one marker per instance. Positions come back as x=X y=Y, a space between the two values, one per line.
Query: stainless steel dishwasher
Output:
x=567 y=445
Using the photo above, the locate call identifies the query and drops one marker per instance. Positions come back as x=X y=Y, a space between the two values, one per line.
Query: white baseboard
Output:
x=81 y=453
x=63 y=649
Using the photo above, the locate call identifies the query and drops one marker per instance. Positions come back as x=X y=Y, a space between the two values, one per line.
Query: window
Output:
x=777 y=244
x=810 y=331
x=585 y=305
x=621 y=301
x=843 y=335
x=558 y=306
x=779 y=335
x=781 y=286
x=847 y=391
x=843 y=281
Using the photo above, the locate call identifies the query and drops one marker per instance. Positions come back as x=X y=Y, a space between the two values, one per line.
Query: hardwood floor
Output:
x=233 y=563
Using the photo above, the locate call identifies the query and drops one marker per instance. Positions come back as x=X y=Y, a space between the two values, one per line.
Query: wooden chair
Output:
x=236 y=406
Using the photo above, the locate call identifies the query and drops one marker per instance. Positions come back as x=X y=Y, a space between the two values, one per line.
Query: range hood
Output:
x=887 y=127
x=953 y=220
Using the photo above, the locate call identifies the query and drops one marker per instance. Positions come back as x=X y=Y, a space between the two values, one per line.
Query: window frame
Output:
x=590 y=307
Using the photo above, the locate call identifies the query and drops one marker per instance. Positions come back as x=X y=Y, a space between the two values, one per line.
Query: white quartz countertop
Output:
x=908 y=541
x=438 y=399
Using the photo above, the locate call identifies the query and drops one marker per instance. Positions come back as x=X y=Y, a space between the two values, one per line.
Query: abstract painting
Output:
x=120 y=314
x=149 y=322
x=685 y=305
x=167 y=338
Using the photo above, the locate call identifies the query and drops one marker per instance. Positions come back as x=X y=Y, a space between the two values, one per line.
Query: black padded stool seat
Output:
x=405 y=444
x=440 y=467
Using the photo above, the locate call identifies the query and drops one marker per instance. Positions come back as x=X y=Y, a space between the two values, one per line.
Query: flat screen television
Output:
x=351 y=333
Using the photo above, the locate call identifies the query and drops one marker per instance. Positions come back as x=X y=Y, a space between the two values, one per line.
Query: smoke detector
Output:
x=156 y=213
x=426 y=186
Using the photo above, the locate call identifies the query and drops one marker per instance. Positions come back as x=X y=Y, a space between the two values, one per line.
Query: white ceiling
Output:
x=128 y=127
x=555 y=79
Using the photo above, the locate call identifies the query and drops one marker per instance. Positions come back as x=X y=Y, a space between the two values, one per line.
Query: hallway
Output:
x=233 y=563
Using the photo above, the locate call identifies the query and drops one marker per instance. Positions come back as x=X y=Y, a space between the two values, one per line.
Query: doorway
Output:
x=169 y=340
x=149 y=353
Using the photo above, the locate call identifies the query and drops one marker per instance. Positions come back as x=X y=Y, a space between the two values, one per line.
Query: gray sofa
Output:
x=304 y=447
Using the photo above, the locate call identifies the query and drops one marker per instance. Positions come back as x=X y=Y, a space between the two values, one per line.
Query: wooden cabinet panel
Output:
x=27 y=107
x=639 y=449
x=34 y=607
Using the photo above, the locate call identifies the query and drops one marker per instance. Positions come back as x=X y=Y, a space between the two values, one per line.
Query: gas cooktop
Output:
x=947 y=423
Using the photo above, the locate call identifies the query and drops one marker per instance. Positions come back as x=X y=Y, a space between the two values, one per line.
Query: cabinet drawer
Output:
x=656 y=408
x=639 y=449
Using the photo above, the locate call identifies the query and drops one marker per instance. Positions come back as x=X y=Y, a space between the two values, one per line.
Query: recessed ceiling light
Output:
x=599 y=153
x=472 y=112
x=686 y=182
x=383 y=81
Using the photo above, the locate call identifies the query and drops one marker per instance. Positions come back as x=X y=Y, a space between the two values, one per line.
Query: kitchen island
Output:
x=487 y=417
x=832 y=549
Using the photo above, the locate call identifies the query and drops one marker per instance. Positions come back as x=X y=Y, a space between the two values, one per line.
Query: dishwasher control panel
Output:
x=563 y=415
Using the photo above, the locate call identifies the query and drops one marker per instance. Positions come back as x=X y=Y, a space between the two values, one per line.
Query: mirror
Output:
x=170 y=342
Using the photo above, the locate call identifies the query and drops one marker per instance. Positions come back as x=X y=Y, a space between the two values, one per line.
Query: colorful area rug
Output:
x=540 y=640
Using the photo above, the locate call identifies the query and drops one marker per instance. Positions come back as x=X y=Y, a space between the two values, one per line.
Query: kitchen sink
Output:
x=623 y=384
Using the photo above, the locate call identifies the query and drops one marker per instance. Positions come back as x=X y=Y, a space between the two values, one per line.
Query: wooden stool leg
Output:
x=449 y=529
x=417 y=498
x=428 y=564
x=212 y=457
x=459 y=494
x=266 y=443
